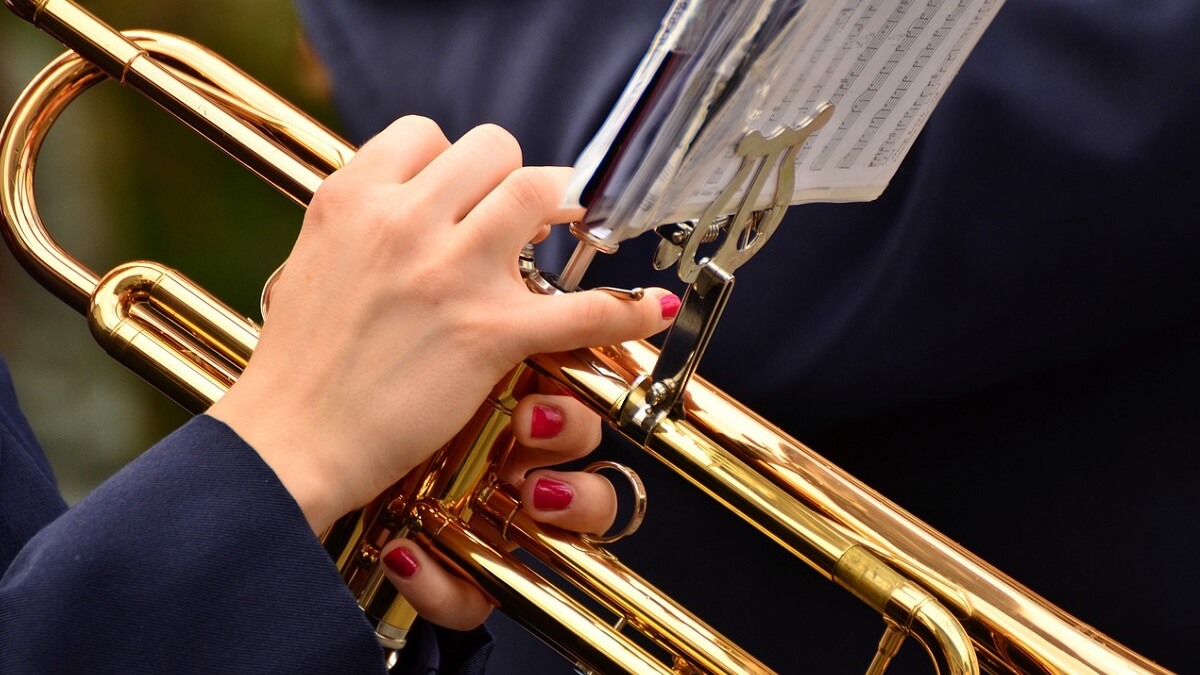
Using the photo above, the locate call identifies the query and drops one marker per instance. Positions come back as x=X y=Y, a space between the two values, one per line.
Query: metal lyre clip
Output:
x=711 y=277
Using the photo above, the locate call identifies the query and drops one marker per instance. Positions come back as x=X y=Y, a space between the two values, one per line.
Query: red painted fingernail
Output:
x=552 y=495
x=547 y=422
x=670 y=306
x=401 y=562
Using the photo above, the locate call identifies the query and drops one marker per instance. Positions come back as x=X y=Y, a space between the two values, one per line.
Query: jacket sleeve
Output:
x=192 y=558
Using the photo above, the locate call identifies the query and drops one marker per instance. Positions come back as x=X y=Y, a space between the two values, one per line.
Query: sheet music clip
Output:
x=711 y=277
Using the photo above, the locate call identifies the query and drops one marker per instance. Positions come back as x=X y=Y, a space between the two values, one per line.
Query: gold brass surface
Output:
x=639 y=503
x=742 y=460
x=966 y=613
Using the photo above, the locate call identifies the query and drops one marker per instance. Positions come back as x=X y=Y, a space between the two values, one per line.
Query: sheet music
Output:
x=883 y=64
x=699 y=49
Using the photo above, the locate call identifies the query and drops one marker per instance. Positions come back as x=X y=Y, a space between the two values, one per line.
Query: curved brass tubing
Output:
x=193 y=347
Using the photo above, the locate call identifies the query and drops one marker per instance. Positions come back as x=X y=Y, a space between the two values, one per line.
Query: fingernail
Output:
x=401 y=562
x=547 y=422
x=670 y=305
x=552 y=495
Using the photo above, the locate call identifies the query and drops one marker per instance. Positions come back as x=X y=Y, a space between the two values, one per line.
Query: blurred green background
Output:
x=120 y=180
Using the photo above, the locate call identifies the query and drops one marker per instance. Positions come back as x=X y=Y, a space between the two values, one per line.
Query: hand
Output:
x=548 y=430
x=401 y=306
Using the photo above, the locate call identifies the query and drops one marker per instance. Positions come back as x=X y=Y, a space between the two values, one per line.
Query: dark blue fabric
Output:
x=29 y=496
x=1006 y=342
x=194 y=558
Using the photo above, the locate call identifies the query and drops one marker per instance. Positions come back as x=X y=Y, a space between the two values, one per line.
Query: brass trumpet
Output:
x=192 y=347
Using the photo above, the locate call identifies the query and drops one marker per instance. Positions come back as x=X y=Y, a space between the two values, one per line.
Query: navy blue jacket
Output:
x=1006 y=342
x=194 y=558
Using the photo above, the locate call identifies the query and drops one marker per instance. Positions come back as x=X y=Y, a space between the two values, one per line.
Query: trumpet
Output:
x=191 y=346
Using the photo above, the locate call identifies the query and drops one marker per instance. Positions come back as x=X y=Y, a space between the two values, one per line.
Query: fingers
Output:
x=576 y=501
x=591 y=318
x=479 y=178
x=436 y=594
x=520 y=207
x=399 y=152
x=549 y=430
x=469 y=170
x=482 y=169
x=543 y=231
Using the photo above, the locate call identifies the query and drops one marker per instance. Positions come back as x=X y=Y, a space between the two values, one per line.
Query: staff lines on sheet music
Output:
x=914 y=118
x=721 y=62
x=865 y=20
x=865 y=57
x=883 y=63
x=886 y=149
x=839 y=24
x=784 y=105
x=897 y=57
x=848 y=47
x=926 y=53
x=720 y=171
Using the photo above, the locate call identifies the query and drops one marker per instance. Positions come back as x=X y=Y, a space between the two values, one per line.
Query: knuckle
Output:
x=650 y=319
x=529 y=191
x=608 y=515
x=487 y=337
x=429 y=285
x=596 y=310
x=408 y=205
x=435 y=603
x=498 y=142
x=335 y=194
x=381 y=220
x=410 y=125
x=593 y=434
x=584 y=423
x=603 y=507
x=474 y=616
x=453 y=608
x=388 y=224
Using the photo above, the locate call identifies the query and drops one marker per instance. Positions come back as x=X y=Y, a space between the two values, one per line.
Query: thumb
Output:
x=594 y=318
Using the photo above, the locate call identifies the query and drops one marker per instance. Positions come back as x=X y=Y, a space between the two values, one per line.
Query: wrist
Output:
x=298 y=457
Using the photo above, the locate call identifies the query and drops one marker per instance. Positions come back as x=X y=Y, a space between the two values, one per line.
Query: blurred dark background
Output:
x=121 y=180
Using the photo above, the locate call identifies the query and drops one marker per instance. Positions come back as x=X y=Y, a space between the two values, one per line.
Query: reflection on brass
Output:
x=622 y=293
x=193 y=347
x=639 y=502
